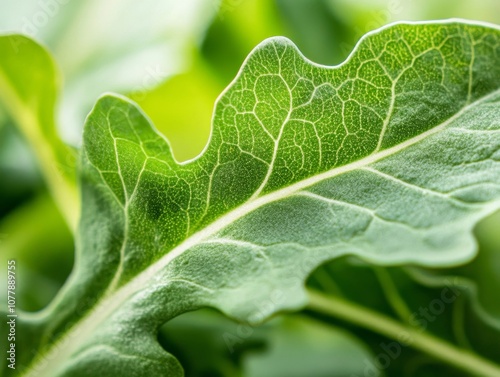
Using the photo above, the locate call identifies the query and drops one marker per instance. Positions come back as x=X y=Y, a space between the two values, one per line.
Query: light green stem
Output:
x=429 y=344
x=392 y=294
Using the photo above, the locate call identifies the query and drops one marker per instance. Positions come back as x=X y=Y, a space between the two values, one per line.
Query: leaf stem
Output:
x=391 y=292
x=413 y=337
x=325 y=281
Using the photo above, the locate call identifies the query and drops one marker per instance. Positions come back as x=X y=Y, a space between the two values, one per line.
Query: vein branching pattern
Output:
x=392 y=156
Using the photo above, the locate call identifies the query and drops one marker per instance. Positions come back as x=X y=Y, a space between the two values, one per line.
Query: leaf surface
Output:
x=392 y=156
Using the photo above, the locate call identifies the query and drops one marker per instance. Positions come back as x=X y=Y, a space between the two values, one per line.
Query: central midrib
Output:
x=110 y=303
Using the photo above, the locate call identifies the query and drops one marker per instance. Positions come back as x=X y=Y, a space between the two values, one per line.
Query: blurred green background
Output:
x=174 y=58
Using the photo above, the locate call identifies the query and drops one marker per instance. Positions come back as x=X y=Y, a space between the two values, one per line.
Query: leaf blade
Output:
x=164 y=240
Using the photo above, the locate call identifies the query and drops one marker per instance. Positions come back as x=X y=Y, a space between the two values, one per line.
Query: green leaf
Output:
x=29 y=83
x=391 y=156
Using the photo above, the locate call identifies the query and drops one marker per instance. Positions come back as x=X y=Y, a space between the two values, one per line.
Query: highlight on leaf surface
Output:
x=392 y=156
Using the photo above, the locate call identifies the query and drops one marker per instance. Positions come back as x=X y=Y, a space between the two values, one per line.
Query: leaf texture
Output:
x=392 y=156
